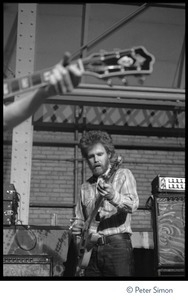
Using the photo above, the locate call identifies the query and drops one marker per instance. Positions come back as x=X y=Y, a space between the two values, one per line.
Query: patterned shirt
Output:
x=115 y=215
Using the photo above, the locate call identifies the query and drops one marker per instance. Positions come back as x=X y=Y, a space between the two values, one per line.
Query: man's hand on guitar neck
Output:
x=63 y=78
x=106 y=190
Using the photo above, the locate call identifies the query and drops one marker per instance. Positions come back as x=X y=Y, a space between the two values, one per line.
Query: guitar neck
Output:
x=27 y=83
x=109 y=178
x=132 y=62
x=94 y=212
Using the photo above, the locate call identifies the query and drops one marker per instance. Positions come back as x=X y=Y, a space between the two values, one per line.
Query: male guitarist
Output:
x=110 y=200
x=62 y=80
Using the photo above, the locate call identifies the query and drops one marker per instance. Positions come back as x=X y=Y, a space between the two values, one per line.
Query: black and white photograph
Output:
x=94 y=146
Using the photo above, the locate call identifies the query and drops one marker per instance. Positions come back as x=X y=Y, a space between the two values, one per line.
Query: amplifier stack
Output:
x=168 y=195
x=27 y=266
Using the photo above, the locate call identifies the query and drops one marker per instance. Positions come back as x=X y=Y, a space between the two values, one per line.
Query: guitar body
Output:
x=85 y=259
x=87 y=241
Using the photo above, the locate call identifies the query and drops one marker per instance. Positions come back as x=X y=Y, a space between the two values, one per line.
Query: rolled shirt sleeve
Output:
x=126 y=197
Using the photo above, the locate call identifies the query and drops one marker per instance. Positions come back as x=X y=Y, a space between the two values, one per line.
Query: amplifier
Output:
x=10 y=204
x=9 y=191
x=27 y=265
x=168 y=213
x=168 y=184
x=9 y=212
x=170 y=272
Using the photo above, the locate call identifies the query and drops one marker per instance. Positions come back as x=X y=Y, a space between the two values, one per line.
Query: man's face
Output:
x=98 y=159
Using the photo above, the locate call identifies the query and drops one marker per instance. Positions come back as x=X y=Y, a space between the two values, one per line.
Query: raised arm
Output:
x=62 y=80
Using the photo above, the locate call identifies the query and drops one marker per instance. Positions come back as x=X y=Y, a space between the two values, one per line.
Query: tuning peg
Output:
x=109 y=82
x=124 y=80
x=142 y=79
x=102 y=53
x=116 y=51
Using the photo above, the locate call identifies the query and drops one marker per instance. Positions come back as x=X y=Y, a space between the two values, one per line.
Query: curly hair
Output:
x=93 y=137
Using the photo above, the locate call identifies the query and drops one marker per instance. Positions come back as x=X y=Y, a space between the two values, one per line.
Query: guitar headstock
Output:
x=136 y=61
x=119 y=63
x=115 y=164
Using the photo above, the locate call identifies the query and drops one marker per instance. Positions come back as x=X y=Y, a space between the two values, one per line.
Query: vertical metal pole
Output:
x=84 y=161
x=84 y=40
x=76 y=169
x=22 y=138
x=76 y=156
x=84 y=32
x=85 y=25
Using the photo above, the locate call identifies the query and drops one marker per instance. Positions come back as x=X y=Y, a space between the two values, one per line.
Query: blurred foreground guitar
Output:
x=89 y=234
x=104 y=65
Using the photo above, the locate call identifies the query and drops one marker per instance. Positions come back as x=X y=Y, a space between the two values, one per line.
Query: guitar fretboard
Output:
x=26 y=83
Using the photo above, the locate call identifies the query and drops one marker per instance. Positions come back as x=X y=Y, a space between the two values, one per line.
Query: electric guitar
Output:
x=89 y=231
x=104 y=65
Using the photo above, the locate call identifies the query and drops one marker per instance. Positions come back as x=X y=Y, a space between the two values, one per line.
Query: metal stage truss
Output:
x=120 y=110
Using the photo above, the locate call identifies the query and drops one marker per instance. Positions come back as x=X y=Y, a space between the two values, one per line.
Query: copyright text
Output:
x=153 y=290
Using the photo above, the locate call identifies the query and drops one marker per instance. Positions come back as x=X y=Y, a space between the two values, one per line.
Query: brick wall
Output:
x=53 y=174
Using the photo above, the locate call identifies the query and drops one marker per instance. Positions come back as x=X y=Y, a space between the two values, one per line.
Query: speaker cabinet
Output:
x=27 y=266
x=169 y=233
x=171 y=272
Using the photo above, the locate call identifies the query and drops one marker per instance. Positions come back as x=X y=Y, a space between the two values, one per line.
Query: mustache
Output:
x=97 y=165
